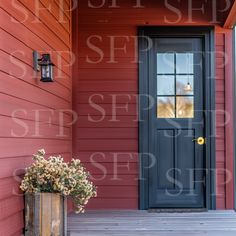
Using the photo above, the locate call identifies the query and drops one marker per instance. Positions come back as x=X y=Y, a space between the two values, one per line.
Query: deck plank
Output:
x=121 y=223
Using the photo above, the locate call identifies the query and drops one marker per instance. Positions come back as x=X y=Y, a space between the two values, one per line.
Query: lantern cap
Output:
x=45 y=60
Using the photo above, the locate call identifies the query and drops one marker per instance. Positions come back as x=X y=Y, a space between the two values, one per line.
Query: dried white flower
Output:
x=56 y=176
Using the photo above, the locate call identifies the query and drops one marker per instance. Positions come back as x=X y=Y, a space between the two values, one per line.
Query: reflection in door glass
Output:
x=184 y=63
x=184 y=107
x=182 y=82
x=165 y=63
x=166 y=85
x=166 y=107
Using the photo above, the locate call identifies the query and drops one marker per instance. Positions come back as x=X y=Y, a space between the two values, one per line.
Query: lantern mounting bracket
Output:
x=36 y=65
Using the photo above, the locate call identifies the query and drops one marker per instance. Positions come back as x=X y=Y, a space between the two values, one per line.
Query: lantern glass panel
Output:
x=45 y=71
x=51 y=72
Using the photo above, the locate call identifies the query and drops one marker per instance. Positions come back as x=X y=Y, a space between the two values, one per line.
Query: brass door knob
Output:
x=200 y=140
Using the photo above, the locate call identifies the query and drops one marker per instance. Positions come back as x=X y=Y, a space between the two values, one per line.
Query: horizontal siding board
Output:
x=12 y=224
x=125 y=168
x=104 y=54
x=22 y=147
x=108 y=145
x=58 y=13
x=220 y=86
x=107 y=74
x=14 y=166
x=14 y=87
x=97 y=109
x=220 y=156
x=220 y=117
x=113 y=191
x=107 y=86
x=8 y=187
x=26 y=110
x=220 y=73
x=220 y=165
x=220 y=133
x=138 y=18
x=10 y=127
x=107 y=122
x=219 y=51
x=66 y=7
x=105 y=29
x=19 y=233
x=106 y=63
x=220 y=107
x=11 y=206
x=220 y=62
x=9 y=22
x=39 y=29
x=118 y=203
x=106 y=97
x=106 y=33
x=109 y=180
x=220 y=146
x=220 y=39
x=220 y=98
x=48 y=19
x=107 y=157
x=125 y=46
x=32 y=41
x=220 y=202
x=106 y=133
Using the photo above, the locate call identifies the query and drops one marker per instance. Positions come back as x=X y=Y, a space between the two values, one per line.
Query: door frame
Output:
x=207 y=35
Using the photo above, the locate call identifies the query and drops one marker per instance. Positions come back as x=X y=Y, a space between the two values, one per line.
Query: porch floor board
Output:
x=97 y=223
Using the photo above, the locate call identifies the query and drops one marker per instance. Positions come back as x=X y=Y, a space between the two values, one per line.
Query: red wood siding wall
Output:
x=22 y=30
x=106 y=136
x=224 y=154
x=106 y=78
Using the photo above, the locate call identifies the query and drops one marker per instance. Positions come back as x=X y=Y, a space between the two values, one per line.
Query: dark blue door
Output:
x=176 y=123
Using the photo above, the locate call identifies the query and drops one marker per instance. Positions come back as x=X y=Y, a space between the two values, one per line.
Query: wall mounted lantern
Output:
x=45 y=65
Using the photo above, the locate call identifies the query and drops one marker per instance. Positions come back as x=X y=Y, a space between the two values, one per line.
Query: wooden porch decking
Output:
x=97 y=223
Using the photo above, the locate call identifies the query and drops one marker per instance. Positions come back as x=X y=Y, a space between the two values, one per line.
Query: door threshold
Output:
x=176 y=210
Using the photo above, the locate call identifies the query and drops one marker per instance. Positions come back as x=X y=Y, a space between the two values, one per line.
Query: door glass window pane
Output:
x=184 y=107
x=165 y=63
x=184 y=85
x=184 y=63
x=166 y=85
x=175 y=85
x=166 y=107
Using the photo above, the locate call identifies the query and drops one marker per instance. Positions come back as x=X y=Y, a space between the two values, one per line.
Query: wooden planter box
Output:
x=45 y=215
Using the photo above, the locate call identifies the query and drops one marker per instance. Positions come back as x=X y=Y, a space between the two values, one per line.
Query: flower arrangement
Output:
x=53 y=175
